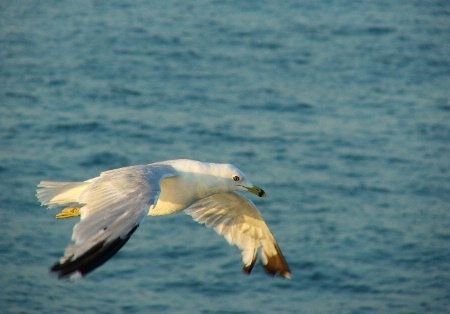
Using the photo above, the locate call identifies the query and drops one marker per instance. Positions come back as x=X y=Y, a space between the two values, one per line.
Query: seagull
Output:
x=112 y=206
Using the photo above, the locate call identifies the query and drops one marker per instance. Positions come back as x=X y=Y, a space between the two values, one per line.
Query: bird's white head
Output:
x=237 y=180
x=212 y=178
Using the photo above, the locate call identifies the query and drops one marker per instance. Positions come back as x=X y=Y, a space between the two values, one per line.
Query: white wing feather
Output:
x=239 y=221
x=114 y=205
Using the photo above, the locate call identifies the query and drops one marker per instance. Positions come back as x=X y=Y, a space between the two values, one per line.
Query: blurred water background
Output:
x=340 y=110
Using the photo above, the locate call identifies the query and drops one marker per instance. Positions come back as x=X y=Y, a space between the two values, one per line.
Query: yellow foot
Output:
x=69 y=212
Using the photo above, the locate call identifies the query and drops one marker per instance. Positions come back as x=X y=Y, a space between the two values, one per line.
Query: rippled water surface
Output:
x=340 y=110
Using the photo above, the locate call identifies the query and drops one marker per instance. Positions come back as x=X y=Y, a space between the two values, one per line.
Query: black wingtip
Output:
x=93 y=258
x=277 y=265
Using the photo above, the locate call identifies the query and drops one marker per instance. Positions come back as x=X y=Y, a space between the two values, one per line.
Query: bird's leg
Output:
x=69 y=212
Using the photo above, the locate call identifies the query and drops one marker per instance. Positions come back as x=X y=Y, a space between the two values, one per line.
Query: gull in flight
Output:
x=112 y=205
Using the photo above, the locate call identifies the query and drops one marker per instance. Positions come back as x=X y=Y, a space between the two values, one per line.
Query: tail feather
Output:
x=52 y=194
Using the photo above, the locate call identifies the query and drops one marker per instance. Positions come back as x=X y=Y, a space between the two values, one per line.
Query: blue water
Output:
x=340 y=110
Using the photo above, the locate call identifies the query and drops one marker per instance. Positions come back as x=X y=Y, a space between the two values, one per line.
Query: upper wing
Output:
x=240 y=222
x=115 y=204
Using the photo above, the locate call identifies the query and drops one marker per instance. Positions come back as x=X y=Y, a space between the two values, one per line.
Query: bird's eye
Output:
x=236 y=178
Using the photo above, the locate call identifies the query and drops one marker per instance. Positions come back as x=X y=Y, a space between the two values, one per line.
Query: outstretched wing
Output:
x=240 y=222
x=114 y=205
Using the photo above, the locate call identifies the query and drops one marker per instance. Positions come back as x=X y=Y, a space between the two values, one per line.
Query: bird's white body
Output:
x=192 y=184
x=114 y=203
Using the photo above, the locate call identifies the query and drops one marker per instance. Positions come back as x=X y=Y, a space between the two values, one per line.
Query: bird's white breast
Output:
x=193 y=182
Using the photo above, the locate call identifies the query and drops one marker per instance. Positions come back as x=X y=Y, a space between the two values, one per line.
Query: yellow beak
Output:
x=256 y=190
